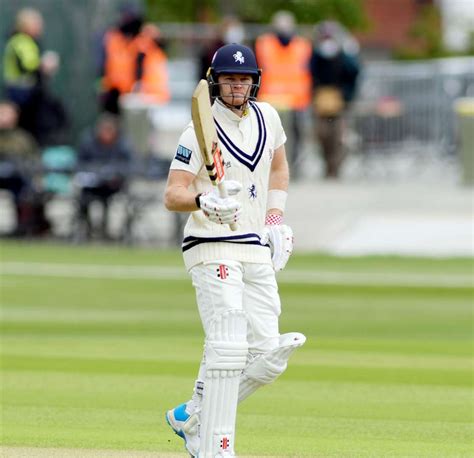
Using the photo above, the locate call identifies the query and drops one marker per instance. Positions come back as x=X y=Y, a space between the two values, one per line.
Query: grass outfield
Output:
x=97 y=343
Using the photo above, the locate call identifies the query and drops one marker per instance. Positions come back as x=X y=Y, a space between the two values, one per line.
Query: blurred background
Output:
x=94 y=96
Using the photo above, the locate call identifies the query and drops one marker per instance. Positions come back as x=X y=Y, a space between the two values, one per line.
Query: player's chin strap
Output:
x=267 y=367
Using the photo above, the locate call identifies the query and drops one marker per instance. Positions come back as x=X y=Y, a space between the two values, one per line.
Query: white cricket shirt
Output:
x=247 y=144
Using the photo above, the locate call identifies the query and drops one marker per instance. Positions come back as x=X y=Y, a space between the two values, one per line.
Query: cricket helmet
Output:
x=234 y=58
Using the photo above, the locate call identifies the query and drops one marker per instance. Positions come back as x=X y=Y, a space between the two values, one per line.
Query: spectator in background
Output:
x=19 y=163
x=230 y=30
x=104 y=162
x=22 y=57
x=151 y=80
x=25 y=68
x=334 y=69
x=51 y=120
x=286 y=80
x=15 y=141
x=132 y=61
x=119 y=58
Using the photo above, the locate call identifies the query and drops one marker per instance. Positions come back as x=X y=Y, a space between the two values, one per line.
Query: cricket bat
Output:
x=207 y=138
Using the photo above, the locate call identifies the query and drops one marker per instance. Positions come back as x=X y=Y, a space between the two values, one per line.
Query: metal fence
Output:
x=410 y=105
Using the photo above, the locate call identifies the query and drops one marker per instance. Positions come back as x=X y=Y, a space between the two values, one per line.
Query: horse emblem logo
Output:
x=252 y=192
x=239 y=57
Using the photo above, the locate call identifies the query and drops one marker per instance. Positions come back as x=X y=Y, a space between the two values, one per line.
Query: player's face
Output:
x=235 y=88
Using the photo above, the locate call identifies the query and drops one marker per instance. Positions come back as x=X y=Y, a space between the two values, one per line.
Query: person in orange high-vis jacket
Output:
x=152 y=66
x=133 y=62
x=119 y=71
x=118 y=57
x=286 y=78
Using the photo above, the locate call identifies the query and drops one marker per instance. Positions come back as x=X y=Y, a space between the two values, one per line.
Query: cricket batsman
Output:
x=233 y=271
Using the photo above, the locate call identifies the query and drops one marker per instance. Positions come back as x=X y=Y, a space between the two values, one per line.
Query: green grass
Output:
x=95 y=362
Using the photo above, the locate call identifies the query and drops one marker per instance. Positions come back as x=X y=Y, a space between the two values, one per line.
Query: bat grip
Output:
x=223 y=193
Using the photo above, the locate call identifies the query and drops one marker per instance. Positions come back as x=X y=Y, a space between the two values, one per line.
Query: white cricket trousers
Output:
x=223 y=285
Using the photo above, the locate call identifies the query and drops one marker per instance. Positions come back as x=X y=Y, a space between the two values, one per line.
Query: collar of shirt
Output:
x=227 y=113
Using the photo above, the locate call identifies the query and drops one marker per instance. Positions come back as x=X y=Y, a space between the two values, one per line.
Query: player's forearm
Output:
x=278 y=187
x=180 y=199
x=279 y=179
x=279 y=172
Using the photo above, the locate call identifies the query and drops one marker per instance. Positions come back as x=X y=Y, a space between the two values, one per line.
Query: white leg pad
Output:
x=267 y=367
x=226 y=352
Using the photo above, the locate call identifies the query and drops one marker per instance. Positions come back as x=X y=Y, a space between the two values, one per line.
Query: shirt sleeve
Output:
x=280 y=136
x=187 y=156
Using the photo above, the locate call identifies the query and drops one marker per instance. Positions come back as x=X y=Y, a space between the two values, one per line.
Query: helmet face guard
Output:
x=214 y=85
x=234 y=59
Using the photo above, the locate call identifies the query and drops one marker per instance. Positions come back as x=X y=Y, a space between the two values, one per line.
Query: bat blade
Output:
x=206 y=135
x=206 y=130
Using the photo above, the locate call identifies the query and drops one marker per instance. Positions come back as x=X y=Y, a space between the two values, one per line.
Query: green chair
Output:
x=59 y=164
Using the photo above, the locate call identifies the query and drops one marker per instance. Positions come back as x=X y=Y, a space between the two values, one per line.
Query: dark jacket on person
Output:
x=107 y=162
x=340 y=71
x=91 y=150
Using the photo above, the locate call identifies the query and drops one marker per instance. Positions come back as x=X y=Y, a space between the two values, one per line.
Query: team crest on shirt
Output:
x=252 y=190
x=222 y=271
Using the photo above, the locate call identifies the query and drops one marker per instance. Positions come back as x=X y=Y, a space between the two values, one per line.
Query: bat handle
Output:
x=224 y=195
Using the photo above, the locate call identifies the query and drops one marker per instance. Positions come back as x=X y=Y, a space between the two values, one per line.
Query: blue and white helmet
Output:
x=234 y=58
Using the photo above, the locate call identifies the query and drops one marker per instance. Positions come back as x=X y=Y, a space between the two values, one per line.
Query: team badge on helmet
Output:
x=239 y=57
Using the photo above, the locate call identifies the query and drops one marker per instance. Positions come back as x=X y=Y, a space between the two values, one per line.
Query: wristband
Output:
x=196 y=199
x=277 y=199
x=273 y=219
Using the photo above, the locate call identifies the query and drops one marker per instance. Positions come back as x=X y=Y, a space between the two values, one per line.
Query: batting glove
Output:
x=222 y=210
x=280 y=238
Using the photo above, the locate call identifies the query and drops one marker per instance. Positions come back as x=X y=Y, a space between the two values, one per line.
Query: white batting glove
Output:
x=222 y=210
x=280 y=238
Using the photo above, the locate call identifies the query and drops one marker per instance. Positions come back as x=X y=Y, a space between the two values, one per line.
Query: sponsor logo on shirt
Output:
x=183 y=154
x=222 y=271
x=270 y=153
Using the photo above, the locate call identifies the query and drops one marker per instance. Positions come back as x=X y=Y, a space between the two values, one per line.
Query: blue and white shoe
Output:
x=185 y=426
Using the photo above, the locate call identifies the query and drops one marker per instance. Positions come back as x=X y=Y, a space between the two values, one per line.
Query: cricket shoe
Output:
x=185 y=426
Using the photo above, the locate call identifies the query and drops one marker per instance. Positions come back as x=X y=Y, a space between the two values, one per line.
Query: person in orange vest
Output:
x=133 y=61
x=152 y=66
x=284 y=58
x=117 y=60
